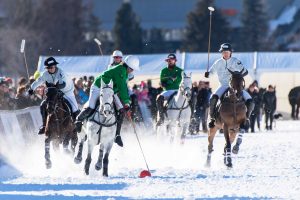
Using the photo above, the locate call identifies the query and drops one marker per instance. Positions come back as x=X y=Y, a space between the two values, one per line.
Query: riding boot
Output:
x=84 y=114
x=250 y=106
x=44 y=117
x=75 y=114
x=212 y=110
x=160 y=108
x=120 y=117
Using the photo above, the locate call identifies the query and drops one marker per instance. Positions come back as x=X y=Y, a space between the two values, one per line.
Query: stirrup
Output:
x=118 y=140
x=42 y=130
x=78 y=126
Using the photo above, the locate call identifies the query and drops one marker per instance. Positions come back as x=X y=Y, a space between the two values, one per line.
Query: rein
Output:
x=100 y=113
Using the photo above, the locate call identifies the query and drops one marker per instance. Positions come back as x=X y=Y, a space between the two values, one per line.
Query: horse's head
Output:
x=53 y=94
x=237 y=81
x=186 y=85
x=106 y=99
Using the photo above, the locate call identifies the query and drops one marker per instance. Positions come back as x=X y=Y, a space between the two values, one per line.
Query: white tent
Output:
x=151 y=64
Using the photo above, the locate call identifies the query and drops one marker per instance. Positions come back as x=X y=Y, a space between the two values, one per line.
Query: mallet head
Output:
x=211 y=9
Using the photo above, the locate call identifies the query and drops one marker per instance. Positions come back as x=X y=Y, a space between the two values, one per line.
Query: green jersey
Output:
x=170 y=78
x=118 y=74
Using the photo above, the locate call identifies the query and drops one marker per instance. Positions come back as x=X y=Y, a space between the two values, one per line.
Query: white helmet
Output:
x=133 y=62
x=117 y=53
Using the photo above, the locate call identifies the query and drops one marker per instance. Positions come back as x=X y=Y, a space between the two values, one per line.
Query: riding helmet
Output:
x=50 y=62
x=225 y=47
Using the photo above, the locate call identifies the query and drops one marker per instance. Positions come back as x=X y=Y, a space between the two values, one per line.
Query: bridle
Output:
x=101 y=112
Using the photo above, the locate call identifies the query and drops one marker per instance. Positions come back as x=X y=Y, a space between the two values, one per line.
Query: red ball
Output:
x=144 y=173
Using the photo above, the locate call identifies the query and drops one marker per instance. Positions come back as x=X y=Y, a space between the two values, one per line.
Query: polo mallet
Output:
x=99 y=45
x=211 y=9
x=143 y=173
x=22 y=50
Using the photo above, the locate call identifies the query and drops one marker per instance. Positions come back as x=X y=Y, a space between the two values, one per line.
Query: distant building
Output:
x=171 y=15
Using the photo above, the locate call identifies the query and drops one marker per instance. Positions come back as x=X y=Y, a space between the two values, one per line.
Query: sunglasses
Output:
x=117 y=57
x=50 y=67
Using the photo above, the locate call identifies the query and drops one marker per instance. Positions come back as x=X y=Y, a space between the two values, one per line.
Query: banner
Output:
x=26 y=121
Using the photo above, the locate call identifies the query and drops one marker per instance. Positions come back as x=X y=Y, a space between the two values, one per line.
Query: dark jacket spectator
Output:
x=269 y=105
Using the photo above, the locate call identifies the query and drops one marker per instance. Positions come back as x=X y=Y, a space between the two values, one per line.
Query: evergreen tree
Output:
x=196 y=37
x=255 y=26
x=127 y=30
x=62 y=27
x=15 y=26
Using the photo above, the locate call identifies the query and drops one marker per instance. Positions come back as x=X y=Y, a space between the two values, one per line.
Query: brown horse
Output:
x=59 y=127
x=231 y=113
x=294 y=99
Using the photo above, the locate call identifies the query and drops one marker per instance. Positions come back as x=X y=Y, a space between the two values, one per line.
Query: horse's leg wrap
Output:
x=105 y=165
x=212 y=110
x=47 y=153
x=120 y=117
x=88 y=161
x=98 y=165
x=227 y=157
x=44 y=117
x=78 y=158
x=239 y=140
x=160 y=108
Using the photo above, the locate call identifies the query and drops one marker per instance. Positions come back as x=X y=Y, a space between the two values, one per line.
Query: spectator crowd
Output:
x=14 y=96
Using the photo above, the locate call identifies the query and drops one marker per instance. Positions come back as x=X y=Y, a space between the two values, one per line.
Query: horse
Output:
x=101 y=129
x=178 y=111
x=294 y=99
x=59 y=125
x=231 y=114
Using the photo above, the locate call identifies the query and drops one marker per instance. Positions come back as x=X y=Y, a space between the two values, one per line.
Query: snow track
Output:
x=267 y=167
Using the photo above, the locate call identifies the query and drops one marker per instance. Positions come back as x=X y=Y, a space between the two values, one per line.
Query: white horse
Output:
x=101 y=129
x=178 y=112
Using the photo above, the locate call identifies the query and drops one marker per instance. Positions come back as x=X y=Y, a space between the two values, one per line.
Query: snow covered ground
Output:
x=267 y=167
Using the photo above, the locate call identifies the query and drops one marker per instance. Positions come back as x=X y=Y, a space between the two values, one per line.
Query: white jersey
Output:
x=59 y=76
x=221 y=67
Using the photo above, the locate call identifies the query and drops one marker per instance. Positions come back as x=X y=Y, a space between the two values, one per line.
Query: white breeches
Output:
x=70 y=97
x=166 y=94
x=220 y=91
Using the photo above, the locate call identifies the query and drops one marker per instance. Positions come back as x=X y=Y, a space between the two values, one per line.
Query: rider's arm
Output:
x=213 y=68
x=163 y=78
x=121 y=83
x=38 y=81
x=178 y=79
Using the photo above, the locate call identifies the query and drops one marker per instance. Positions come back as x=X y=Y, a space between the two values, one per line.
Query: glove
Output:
x=127 y=110
x=30 y=91
x=206 y=74
x=127 y=107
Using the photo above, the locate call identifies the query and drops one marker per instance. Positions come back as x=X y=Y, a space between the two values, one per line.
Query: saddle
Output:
x=169 y=101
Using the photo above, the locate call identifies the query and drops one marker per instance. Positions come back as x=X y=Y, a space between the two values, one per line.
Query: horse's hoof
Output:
x=86 y=170
x=77 y=160
x=235 y=149
x=98 y=167
x=105 y=172
x=229 y=165
x=228 y=162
